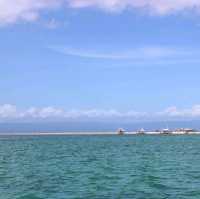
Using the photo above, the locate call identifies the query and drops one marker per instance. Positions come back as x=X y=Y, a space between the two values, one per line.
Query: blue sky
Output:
x=99 y=59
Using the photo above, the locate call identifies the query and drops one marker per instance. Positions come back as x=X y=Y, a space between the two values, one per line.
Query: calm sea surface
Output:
x=127 y=167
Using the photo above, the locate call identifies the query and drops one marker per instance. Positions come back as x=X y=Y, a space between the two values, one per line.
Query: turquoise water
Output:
x=128 y=167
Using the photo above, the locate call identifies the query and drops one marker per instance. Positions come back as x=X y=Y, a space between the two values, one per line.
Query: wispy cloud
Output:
x=11 y=112
x=160 y=7
x=12 y=11
x=52 y=24
x=140 y=54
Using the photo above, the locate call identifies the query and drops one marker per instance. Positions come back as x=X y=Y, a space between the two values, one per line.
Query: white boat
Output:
x=120 y=131
x=141 y=131
x=165 y=131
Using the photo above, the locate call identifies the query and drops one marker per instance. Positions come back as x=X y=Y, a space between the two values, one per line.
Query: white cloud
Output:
x=8 y=111
x=43 y=112
x=174 y=112
x=12 y=11
x=99 y=113
x=11 y=112
x=160 y=7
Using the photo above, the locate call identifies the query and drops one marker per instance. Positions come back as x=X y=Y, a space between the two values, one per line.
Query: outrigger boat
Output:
x=120 y=131
x=141 y=131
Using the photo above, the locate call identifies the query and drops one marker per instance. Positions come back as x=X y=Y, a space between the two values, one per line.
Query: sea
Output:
x=100 y=167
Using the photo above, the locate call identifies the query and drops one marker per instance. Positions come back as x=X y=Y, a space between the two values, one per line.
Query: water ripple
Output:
x=98 y=167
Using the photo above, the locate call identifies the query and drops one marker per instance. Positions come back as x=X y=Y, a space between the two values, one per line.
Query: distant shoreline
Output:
x=95 y=133
x=64 y=133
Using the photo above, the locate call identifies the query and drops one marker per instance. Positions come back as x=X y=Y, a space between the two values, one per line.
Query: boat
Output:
x=141 y=131
x=165 y=131
x=120 y=131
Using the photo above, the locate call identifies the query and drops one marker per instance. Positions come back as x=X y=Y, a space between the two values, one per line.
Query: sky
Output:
x=99 y=60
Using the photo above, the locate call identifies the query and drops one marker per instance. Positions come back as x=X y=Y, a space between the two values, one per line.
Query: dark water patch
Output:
x=29 y=196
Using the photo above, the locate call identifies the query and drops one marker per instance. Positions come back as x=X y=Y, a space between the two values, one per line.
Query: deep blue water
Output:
x=127 y=167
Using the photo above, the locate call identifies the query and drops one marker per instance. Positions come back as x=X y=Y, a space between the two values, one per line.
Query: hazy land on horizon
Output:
x=59 y=127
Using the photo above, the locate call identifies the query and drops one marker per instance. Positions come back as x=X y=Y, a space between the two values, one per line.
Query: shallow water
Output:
x=128 y=167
